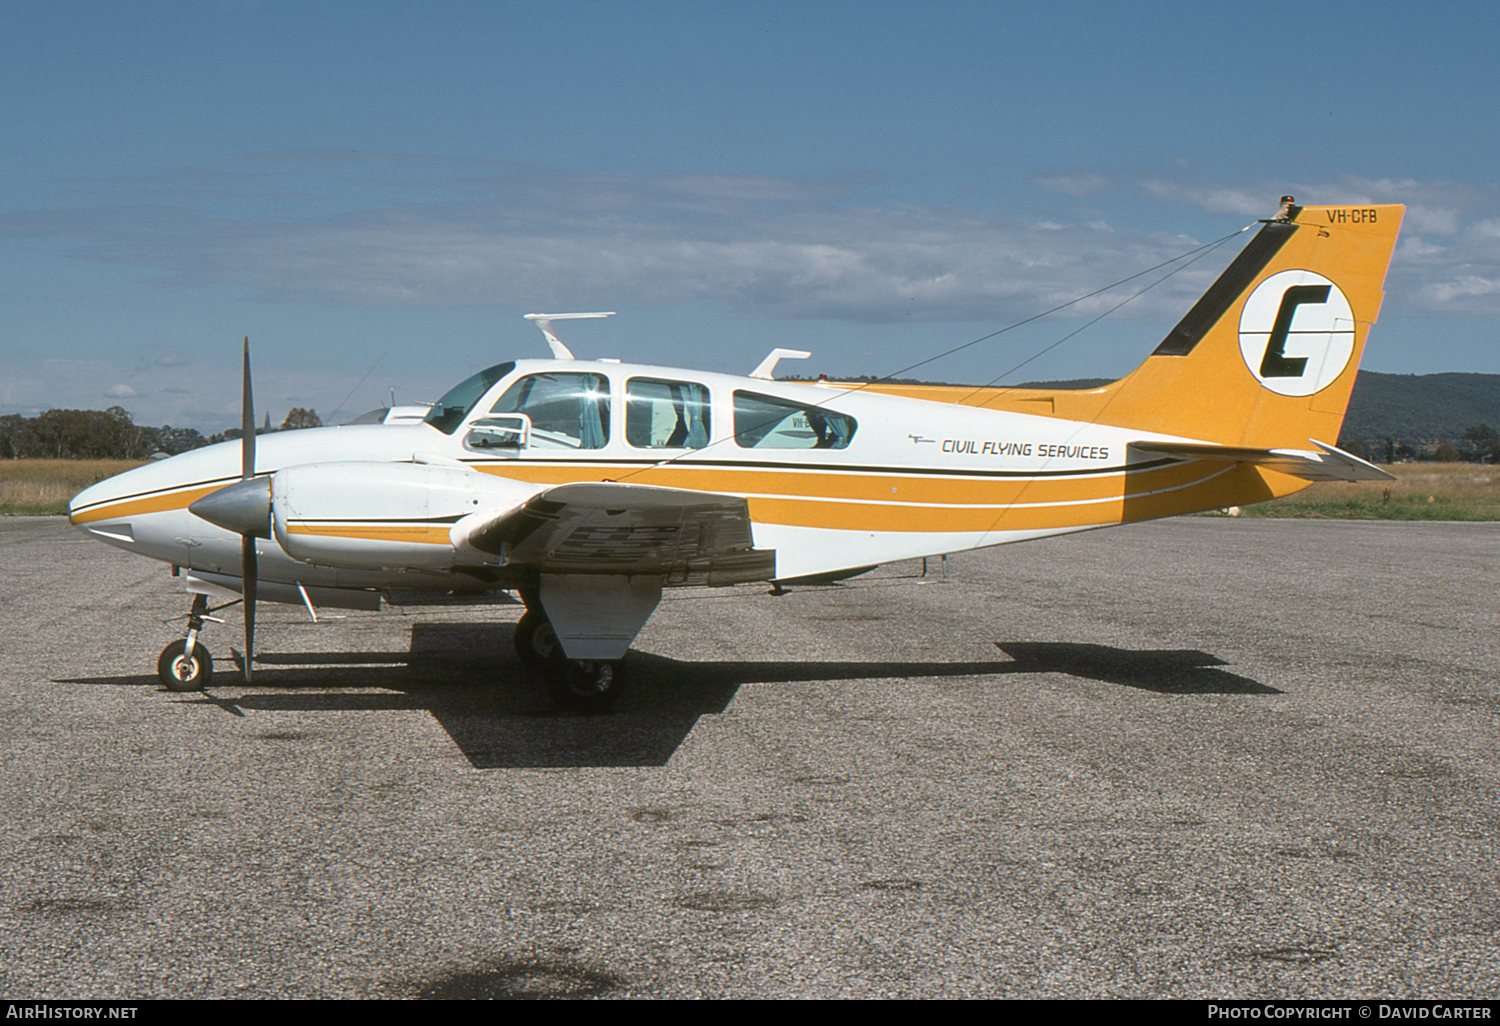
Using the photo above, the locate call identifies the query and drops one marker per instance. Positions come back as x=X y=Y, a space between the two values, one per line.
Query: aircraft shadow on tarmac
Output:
x=457 y=672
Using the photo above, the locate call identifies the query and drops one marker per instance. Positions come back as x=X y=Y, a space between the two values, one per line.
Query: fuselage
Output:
x=835 y=478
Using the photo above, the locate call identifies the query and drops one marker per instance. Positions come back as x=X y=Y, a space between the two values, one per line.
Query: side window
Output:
x=666 y=414
x=763 y=422
x=567 y=411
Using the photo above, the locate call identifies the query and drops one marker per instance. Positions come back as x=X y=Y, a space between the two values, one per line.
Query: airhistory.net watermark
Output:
x=46 y=1010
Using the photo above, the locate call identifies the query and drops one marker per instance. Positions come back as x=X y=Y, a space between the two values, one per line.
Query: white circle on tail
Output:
x=1297 y=332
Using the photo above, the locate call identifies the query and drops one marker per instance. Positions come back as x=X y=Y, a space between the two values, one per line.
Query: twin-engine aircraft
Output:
x=590 y=486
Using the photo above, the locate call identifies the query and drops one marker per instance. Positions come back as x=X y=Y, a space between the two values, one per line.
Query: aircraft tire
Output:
x=536 y=641
x=587 y=686
x=177 y=673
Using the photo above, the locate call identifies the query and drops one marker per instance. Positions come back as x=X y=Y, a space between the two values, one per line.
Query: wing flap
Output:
x=1328 y=463
x=685 y=537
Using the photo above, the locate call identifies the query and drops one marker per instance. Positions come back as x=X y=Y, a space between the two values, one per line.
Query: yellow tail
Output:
x=1265 y=359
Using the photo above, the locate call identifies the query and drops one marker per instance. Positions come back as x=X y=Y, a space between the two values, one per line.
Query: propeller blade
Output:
x=247 y=423
x=249 y=571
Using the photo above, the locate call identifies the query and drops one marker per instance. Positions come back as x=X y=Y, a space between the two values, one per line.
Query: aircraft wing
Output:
x=1327 y=464
x=685 y=537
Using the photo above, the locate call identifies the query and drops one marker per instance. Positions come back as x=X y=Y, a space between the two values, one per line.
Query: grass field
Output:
x=1422 y=491
x=42 y=487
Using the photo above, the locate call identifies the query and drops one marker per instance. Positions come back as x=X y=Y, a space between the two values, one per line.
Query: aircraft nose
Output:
x=77 y=502
x=243 y=507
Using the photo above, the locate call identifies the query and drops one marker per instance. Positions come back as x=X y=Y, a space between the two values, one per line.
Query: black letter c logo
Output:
x=1276 y=364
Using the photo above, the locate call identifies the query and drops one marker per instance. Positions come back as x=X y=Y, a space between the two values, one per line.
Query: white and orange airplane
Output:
x=590 y=486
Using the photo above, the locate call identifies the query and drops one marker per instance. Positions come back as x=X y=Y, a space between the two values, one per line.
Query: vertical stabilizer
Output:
x=1267 y=357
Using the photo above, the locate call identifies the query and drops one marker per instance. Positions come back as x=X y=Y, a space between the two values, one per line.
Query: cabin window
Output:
x=764 y=422
x=449 y=411
x=666 y=414
x=567 y=411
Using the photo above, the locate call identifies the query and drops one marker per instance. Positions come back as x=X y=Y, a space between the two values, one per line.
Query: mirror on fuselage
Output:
x=506 y=431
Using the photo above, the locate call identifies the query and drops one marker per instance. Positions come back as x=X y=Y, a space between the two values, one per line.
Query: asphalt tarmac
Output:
x=1196 y=758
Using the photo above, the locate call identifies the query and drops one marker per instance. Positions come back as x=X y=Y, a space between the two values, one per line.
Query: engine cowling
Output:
x=384 y=516
x=368 y=516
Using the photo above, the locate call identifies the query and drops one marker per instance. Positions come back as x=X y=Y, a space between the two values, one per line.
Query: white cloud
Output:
x=1248 y=201
x=121 y=392
x=1078 y=184
x=531 y=238
x=1433 y=208
x=493 y=234
x=1414 y=247
x=1453 y=277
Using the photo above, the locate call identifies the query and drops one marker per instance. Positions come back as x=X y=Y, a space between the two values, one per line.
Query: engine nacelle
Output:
x=385 y=516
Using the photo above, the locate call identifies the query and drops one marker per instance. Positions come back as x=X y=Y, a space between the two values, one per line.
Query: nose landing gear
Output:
x=186 y=665
x=185 y=669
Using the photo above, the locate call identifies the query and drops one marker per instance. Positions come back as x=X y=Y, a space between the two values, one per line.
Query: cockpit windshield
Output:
x=449 y=411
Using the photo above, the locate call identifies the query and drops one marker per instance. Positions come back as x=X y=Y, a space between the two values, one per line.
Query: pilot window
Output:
x=567 y=411
x=666 y=414
x=763 y=422
x=449 y=411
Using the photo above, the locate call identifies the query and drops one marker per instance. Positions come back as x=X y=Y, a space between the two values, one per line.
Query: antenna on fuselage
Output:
x=768 y=366
x=544 y=322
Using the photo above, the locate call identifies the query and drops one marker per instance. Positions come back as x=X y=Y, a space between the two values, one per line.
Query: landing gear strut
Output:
x=186 y=665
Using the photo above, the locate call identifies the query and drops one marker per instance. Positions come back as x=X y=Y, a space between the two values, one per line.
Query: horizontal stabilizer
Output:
x=1327 y=464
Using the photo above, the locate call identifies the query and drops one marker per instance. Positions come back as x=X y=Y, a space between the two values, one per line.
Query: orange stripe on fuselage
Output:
x=159 y=502
x=908 y=502
x=421 y=534
x=856 y=500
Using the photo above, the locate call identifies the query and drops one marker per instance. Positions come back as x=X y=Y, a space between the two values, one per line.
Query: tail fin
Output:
x=1265 y=360
x=1267 y=357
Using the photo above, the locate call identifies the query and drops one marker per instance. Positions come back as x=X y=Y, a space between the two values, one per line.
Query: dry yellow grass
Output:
x=45 y=486
x=1421 y=491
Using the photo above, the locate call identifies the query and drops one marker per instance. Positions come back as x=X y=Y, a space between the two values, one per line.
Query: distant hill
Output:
x=1417 y=408
x=1070 y=385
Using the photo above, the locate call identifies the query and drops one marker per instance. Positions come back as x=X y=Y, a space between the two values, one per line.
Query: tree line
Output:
x=1479 y=443
x=112 y=434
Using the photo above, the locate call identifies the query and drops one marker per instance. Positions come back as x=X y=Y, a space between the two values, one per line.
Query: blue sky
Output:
x=375 y=193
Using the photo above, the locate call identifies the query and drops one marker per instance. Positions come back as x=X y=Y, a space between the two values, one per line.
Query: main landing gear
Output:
x=186 y=665
x=588 y=686
x=578 y=685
